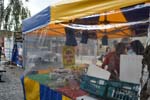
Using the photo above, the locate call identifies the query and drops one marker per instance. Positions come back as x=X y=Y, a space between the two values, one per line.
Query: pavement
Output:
x=11 y=88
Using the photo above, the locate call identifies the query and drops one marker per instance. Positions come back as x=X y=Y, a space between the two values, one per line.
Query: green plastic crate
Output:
x=110 y=90
x=119 y=90
x=94 y=85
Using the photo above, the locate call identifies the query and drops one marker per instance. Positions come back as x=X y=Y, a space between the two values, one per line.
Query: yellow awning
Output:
x=68 y=9
x=49 y=19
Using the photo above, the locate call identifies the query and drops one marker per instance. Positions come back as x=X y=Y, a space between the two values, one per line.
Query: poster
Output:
x=131 y=68
x=68 y=56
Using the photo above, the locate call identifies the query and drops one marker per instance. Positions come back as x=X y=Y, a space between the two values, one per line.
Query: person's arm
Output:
x=106 y=61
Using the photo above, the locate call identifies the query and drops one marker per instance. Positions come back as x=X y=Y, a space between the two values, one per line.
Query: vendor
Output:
x=112 y=60
x=136 y=47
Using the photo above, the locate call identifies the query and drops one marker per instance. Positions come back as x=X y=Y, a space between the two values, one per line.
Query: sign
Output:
x=131 y=68
x=68 y=55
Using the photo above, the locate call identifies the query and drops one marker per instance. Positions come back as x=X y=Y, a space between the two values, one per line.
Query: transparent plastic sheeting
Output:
x=119 y=23
x=44 y=52
x=67 y=10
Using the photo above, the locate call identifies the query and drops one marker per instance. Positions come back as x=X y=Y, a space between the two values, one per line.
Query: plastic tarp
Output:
x=68 y=10
x=37 y=21
x=124 y=22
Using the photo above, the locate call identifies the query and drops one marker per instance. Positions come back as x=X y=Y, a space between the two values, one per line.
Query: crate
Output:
x=119 y=90
x=95 y=86
x=110 y=90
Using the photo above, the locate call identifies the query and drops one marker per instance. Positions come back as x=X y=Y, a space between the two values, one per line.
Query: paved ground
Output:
x=11 y=89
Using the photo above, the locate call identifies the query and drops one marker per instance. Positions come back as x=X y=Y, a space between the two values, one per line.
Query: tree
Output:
x=1 y=11
x=13 y=15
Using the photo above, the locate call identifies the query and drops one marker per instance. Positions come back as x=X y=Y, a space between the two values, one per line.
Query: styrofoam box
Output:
x=98 y=72
x=86 y=98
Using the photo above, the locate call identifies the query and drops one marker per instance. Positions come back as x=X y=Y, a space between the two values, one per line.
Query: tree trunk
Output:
x=1 y=12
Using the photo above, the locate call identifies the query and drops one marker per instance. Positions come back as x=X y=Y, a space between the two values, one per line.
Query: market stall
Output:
x=59 y=48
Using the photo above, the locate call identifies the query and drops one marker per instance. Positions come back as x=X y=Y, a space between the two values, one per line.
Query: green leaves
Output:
x=1 y=11
x=13 y=15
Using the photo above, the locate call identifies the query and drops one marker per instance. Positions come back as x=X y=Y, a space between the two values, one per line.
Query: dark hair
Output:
x=120 y=48
x=137 y=47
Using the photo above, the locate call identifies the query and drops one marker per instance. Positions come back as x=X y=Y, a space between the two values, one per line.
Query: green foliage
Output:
x=1 y=11
x=13 y=15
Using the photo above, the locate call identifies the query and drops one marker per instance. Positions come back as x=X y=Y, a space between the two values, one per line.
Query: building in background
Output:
x=8 y=47
x=6 y=41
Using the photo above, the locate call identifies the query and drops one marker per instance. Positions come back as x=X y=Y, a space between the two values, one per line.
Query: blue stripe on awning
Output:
x=141 y=13
x=37 y=21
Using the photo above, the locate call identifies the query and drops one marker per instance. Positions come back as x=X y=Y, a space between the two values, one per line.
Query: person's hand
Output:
x=106 y=67
x=99 y=66
x=117 y=74
x=141 y=80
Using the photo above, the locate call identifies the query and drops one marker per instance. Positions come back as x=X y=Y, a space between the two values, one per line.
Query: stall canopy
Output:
x=55 y=18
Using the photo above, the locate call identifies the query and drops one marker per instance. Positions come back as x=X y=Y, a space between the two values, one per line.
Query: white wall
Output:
x=8 y=46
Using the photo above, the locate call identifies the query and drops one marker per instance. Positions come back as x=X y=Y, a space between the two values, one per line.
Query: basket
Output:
x=110 y=90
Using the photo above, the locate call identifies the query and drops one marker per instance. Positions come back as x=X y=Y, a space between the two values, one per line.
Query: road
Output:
x=11 y=89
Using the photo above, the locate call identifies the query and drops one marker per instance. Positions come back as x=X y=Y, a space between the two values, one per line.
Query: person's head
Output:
x=137 y=47
x=114 y=43
x=125 y=40
x=120 y=49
